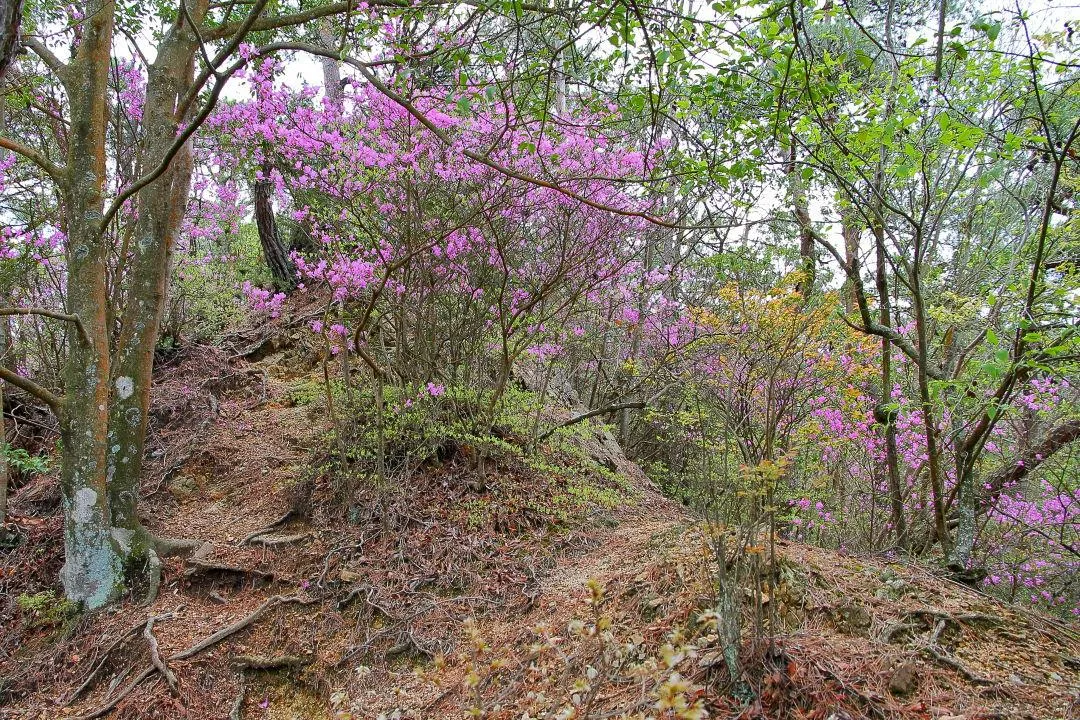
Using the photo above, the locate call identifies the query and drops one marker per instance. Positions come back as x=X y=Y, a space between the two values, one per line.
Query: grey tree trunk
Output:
x=10 y=21
x=161 y=210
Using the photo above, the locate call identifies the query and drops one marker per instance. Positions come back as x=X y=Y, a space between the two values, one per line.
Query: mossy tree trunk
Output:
x=93 y=570
x=161 y=207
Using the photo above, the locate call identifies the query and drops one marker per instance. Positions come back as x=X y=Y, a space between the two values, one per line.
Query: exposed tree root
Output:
x=266 y=529
x=237 y=710
x=262 y=662
x=108 y=707
x=275 y=540
x=944 y=658
x=155 y=657
x=158 y=665
x=239 y=625
x=198 y=566
x=129 y=634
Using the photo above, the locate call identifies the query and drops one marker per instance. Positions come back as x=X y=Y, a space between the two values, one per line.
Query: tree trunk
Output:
x=93 y=570
x=888 y=418
x=937 y=485
x=3 y=463
x=10 y=20
x=801 y=210
x=275 y=252
x=161 y=211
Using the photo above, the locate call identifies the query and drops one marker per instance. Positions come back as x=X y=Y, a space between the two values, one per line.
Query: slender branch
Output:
x=317 y=13
x=59 y=68
x=55 y=402
x=8 y=312
x=56 y=172
x=224 y=54
x=638 y=405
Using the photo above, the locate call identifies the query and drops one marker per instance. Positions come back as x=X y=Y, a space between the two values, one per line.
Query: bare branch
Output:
x=56 y=172
x=55 y=402
x=591 y=414
x=8 y=312
x=49 y=58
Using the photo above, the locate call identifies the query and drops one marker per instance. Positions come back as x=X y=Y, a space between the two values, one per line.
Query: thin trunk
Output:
x=801 y=210
x=10 y=19
x=3 y=463
x=161 y=211
x=937 y=485
x=274 y=250
x=331 y=68
x=886 y=417
x=850 y=231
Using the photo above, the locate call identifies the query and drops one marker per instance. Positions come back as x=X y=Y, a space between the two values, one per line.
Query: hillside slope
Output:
x=454 y=595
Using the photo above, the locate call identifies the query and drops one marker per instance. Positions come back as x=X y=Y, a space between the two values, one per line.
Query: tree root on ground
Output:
x=262 y=662
x=237 y=710
x=266 y=529
x=158 y=665
x=155 y=657
x=268 y=540
x=239 y=625
x=198 y=566
x=935 y=651
x=129 y=634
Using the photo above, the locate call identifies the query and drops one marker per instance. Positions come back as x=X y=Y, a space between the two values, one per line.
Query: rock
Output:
x=851 y=618
x=182 y=486
x=904 y=680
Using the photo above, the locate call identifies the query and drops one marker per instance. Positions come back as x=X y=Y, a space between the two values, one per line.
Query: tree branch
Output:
x=638 y=405
x=55 y=402
x=59 y=68
x=1060 y=436
x=56 y=172
x=317 y=13
x=8 y=312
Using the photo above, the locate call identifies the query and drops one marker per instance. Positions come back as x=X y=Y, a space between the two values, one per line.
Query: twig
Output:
x=108 y=707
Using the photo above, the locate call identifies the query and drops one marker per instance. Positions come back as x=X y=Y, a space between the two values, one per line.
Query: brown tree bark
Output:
x=161 y=211
x=93 y=570
x=274 y=250
x=10 y=21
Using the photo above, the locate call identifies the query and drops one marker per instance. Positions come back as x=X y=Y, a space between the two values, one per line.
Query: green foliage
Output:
x=23 y=462
x=204 y=298
x=46 y=610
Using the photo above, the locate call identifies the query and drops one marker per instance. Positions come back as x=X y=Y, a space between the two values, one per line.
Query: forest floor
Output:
x=453 y=595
